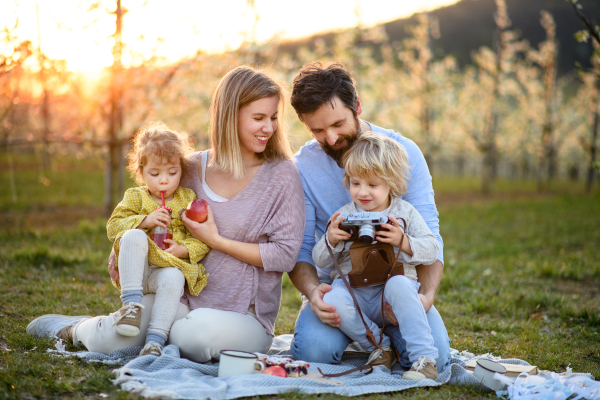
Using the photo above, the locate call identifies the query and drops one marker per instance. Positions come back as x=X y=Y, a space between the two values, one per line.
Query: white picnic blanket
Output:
x=172 y=377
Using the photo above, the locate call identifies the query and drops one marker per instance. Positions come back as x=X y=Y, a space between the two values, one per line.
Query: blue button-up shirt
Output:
x=324 y=192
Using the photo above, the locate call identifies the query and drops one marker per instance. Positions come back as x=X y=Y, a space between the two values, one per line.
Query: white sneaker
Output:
x=48 y=326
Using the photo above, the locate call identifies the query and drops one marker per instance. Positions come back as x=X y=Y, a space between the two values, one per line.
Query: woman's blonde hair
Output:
x=238 y=88
x=157 y=142
x=378 y=156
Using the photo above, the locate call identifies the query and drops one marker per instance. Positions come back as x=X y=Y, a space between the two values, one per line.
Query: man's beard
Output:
x=338 y=154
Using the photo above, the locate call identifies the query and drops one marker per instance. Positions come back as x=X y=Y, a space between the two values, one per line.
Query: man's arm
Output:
x=430 y=277
x=305 y=279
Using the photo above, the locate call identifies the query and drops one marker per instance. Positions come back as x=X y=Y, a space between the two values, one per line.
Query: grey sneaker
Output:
x=378 y=358
x=423 y=368
x=50 y=325
x=152 y=349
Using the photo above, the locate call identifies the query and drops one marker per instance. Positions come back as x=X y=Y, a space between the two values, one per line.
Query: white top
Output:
x=211 y=195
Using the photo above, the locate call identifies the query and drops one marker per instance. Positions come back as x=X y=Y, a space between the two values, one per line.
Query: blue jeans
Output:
x=315 y=341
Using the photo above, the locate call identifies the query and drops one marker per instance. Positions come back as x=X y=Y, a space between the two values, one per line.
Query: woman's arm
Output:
x=208 y=233
x=284 y=226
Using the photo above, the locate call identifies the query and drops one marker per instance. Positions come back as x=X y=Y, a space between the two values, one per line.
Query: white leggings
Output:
x=200 y=334
x=136 y=274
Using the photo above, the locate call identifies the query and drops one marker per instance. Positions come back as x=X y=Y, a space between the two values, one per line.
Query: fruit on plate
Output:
x=275 y=371
x=196 y=210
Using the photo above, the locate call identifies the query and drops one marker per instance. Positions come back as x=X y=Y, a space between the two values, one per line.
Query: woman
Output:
x=254 y=228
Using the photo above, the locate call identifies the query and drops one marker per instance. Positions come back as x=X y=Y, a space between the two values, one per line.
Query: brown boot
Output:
x=128 y=319
x=423 y=368
x=152 y=349
x=378 y=358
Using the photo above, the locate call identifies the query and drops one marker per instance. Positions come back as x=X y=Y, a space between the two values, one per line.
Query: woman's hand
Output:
x=207 y=231
x=176 y=249
x=112 y=266
x=334 y=233
x=158 y=217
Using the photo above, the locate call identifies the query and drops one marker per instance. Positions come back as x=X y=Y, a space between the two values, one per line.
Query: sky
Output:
x=82 y=35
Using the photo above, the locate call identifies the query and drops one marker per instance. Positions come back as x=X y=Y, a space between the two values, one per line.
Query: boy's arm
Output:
x=125 y=215
x=423 y=243
x=321 y=256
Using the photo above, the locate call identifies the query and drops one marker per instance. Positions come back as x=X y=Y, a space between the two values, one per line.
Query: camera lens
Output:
x=366 y=233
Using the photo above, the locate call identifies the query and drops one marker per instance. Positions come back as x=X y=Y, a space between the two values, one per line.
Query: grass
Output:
x=521 y=279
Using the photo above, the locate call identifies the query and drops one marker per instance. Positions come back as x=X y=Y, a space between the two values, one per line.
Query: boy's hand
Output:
x=158 y=217
x=393 y=235
x=334 y=233
x=176 y=249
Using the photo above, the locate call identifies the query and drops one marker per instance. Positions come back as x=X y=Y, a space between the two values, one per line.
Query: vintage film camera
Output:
x=363 y=226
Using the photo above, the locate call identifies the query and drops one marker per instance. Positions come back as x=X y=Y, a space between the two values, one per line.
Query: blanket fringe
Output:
x=130 y=384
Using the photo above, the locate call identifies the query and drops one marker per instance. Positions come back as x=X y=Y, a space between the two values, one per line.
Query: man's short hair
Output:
x=317 y=84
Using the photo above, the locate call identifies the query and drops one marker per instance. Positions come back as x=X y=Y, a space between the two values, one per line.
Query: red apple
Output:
x=196 y=210
x=275 y=370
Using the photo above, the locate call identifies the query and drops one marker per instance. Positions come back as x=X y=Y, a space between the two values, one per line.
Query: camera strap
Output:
x=370 y=336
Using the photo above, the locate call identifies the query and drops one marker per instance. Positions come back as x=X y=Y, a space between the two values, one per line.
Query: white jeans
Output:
x=200 y=334
x=136 y=274
x=402 y=294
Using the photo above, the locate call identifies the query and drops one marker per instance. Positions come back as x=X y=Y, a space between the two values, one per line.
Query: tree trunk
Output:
x=116 y=116
x=488 y=174
x=593 y=147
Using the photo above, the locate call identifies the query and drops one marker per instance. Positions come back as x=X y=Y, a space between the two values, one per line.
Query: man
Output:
x=326 y=101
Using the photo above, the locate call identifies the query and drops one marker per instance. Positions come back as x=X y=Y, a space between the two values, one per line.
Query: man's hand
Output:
x=158 y=217
x=389 y=313
x=427 y=301
x=325 y=312
x=334 y=233
x=429 y=277
x=176 y=249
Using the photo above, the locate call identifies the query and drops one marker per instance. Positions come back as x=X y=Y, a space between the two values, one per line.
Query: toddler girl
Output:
x=376 y=170
x=156 y=160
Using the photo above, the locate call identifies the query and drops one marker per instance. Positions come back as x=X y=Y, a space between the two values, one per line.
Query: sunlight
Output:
x=82 y=34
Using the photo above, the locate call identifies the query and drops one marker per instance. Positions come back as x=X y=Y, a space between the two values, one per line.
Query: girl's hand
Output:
x=334 y=233
x=158 y=217
x=176 y=249
x=393 y=235
x=206 y=232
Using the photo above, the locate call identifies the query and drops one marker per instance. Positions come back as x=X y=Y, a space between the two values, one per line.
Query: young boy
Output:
x=376 y=171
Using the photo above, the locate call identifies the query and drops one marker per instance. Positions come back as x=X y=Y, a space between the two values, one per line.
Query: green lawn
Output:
x=521 y=279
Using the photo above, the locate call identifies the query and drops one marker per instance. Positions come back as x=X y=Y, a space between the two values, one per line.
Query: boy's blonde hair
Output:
x=157 y=142
x=378 y=156
x=238 y=88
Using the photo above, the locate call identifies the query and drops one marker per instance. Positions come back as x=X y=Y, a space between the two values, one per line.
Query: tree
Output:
x=594 y=86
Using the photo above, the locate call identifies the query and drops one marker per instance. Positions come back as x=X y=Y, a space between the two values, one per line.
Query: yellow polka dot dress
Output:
x=130 y=212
